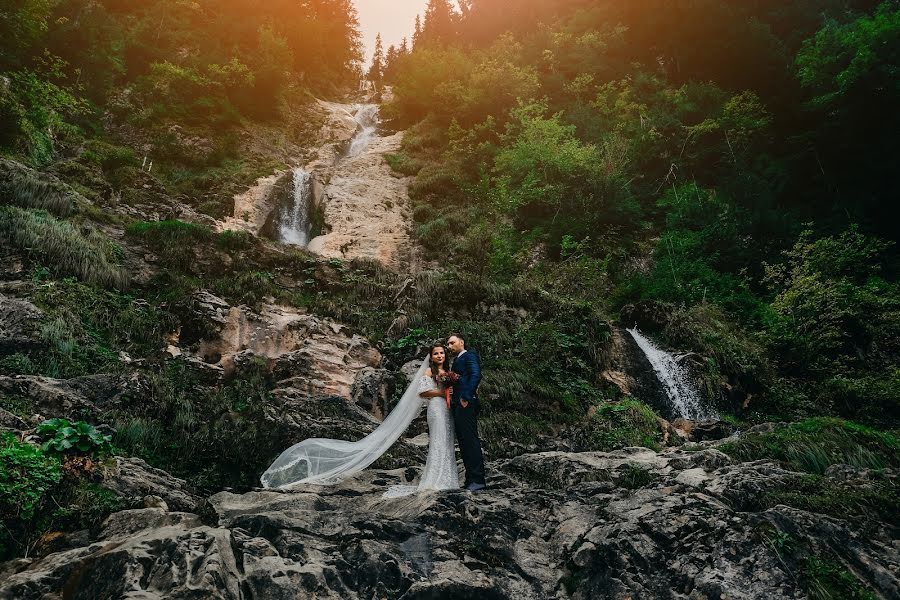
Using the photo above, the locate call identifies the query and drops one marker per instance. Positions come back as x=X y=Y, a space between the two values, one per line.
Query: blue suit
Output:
x=465 y=418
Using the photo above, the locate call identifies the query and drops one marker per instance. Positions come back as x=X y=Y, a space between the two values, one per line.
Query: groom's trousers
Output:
x=466 y=424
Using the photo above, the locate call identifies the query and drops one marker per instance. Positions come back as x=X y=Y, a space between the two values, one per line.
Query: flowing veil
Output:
x=322 y=461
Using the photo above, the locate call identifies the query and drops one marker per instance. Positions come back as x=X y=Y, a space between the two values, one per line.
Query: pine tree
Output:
x=376 y=71
x=440 y=22
x=390 y=63
x=404 y=48
x=417 y=34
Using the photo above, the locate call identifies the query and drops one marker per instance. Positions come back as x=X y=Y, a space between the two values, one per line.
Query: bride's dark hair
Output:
x=431 y=365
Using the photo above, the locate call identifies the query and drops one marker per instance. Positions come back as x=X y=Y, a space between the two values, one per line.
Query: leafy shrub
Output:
x=64 y=249
x=619 y=424
x=26 y=474
x=833 y=313
x=64 y=436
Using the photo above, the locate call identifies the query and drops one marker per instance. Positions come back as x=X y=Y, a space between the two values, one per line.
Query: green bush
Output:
x=26 y=475
x=620 y=424
x=66 y=250
x=62 y=437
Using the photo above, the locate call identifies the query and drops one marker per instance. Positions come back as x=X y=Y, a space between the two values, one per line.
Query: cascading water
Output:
x=366 y=117
x=294 y=222
x=681 y=393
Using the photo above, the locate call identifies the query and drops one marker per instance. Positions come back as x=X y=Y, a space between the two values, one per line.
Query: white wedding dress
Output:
x=325 y=461
x=440 y=466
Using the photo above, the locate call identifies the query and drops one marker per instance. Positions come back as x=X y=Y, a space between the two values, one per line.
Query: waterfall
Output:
x=294 y=224
x=681 y=393
x=366 y=118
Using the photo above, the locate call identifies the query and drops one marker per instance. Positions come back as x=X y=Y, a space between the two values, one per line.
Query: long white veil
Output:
x=322 y=461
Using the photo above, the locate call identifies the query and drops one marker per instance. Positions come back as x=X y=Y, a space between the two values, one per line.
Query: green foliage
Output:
x=546 y=175
x=175 y=242
x=63 y=436
x=214 y=436
x=833 y=312
x=65 y=249
x=620 y=424
x=828 y=580
x=35 y=112
x=873 y=502
x=845 y=59
x=815 y=444
x=26 y=473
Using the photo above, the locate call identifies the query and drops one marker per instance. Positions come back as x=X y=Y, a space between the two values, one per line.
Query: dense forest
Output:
x=718 y=172
x=731 y=160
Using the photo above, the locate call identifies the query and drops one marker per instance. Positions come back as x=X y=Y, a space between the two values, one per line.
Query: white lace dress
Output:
x=440 y=467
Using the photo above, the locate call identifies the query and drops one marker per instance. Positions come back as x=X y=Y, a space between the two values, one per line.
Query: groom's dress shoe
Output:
x=475 y=487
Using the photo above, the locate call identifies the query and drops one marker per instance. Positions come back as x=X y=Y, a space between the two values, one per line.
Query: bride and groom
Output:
x=450 y=394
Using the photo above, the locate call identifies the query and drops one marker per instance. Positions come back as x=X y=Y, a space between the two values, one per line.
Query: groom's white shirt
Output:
x=461 y=353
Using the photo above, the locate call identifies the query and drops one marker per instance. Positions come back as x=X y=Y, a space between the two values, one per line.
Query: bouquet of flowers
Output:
x=447 y=380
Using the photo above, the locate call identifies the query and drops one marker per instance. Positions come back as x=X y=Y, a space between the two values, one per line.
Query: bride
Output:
x=324 y=461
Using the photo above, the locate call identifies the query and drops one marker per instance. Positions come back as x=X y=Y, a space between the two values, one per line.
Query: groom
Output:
x=464 y=407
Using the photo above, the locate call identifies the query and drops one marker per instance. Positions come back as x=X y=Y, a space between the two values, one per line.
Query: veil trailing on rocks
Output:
x=323 y=462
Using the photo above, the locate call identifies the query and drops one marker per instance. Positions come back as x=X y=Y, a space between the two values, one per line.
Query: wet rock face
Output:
x=625 y=524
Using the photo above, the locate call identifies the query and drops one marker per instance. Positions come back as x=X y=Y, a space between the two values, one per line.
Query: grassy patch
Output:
x=813 y=445
x=827 y=580
x=877 y=501
x=62 y=247
x=26 y=188
x=86 y=327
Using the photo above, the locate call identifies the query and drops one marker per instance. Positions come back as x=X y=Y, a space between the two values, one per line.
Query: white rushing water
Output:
x=682 y=394
x=294 y=225
x=366 y=116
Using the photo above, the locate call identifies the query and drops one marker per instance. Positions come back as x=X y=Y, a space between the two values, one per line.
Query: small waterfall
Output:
x=682 y=394
x=366 y=117
x=294 y=222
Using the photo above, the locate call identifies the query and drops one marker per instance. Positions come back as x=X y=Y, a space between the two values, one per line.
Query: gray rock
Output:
x=20 y=325
x=372 y=390
x=552 y=525
x=74 y=399
x=135 y=480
